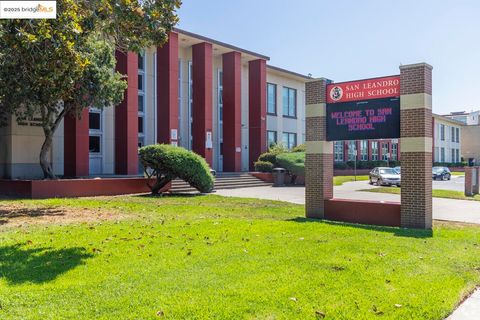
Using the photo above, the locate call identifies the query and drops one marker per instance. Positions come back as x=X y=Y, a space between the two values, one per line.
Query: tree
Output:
x=164 y=163
x=49 y=68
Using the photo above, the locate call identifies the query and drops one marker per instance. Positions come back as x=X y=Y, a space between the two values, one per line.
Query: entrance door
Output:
x=95 y=141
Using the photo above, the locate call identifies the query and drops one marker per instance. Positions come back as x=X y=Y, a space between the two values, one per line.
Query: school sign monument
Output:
x=397 y=106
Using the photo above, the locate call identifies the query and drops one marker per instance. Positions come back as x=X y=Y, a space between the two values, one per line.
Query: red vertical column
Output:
x=232 y=112
x=202 y=76
x=167 y=91
x=126 y=117
x=257 y=109
x=75 y=145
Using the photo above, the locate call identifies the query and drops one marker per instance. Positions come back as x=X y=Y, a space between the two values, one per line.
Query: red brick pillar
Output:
x=416 y=140
x=469 y=181
x=257 y=109
x=202 y=100
x=167 y=91
x=232 y=112
x=75 y=145
x=126 y=117
x=476 y=188
x=319 y=155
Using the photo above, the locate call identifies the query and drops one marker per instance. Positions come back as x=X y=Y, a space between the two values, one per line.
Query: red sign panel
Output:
x=361 y=90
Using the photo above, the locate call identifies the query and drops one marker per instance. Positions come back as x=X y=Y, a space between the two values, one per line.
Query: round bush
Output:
x=263 y=166
x=167 y=162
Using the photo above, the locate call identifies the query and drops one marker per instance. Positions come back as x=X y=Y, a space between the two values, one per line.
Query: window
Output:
x=94 y=144
x=289 y=102
x=338 y=151
x=453 y=156
x=442 y=155
x=272 y=98
x=220 y=114
x=453 y=134
x=190 y=105
x=141 y=99
x=364 y=150
x=385 y=154
x=95 y=131
x=374 y=150
x=442 y=132
x=271 y=138
x=458 y=155
x=458 y=134
x=94 y=120
x=289 y=139
x=394 y=155
x=352 y=150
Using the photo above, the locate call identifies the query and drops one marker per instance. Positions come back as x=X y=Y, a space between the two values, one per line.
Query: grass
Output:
x=457 y=173
x=339 y=180
x=210 y=257
x=437 y=193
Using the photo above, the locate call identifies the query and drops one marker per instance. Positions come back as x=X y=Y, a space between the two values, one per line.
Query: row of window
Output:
x=454 y=133
x=289 y=101
x=289 y=139
x=440 y=155
x=362 y=154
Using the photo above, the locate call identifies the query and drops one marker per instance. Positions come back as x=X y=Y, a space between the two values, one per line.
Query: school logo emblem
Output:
x=336 y=93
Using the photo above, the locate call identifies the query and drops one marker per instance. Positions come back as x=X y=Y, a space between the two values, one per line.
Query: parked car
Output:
x=384 y=176
x=398 y=169
x=441 y=173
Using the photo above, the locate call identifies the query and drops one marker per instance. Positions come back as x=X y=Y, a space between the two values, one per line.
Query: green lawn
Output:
x=339 y=180
x=457 y=173
x=437 y=193
x=209 y=257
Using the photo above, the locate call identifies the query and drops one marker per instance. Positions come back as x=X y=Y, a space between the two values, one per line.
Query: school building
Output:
x=223 y=102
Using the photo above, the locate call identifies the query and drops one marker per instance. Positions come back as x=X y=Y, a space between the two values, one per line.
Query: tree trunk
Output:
x=159 y=184
x=49 y=130
x=44 y=163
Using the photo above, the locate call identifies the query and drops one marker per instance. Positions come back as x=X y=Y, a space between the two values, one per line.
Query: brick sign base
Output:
x=415 y=208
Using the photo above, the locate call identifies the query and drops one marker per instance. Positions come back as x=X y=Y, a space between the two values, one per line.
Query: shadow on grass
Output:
x=19 y=263
x=173 y=195
x=399 y=232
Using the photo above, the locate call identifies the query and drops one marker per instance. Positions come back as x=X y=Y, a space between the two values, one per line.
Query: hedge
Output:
x=263 y=166
x=293 y=162
x=166 y=162
x=450 y=164
x=300 y=148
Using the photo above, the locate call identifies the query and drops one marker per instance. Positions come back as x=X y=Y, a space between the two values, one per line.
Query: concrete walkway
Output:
x=443 y=209
x=469 y=309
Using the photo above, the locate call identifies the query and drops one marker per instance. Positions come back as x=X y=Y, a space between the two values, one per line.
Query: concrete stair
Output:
x=223 y=180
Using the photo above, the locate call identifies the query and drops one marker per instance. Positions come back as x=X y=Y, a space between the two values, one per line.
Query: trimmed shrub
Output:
x=300 y=148
x=268 y=157
x=293 y=162
x=278 y=148
x=166 y=162
x=450 y=164
x=340 y=166
x=263 y=166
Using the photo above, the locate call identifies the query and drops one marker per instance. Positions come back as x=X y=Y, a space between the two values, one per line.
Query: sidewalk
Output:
x=469 y=309
x=443 y=209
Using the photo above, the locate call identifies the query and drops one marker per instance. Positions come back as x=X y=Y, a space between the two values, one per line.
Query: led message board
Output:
x=365 y=109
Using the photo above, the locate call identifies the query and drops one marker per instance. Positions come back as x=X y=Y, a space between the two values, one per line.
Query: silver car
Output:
x=384 y=176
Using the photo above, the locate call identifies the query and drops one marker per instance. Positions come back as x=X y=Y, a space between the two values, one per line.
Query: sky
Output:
x=349 y=40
